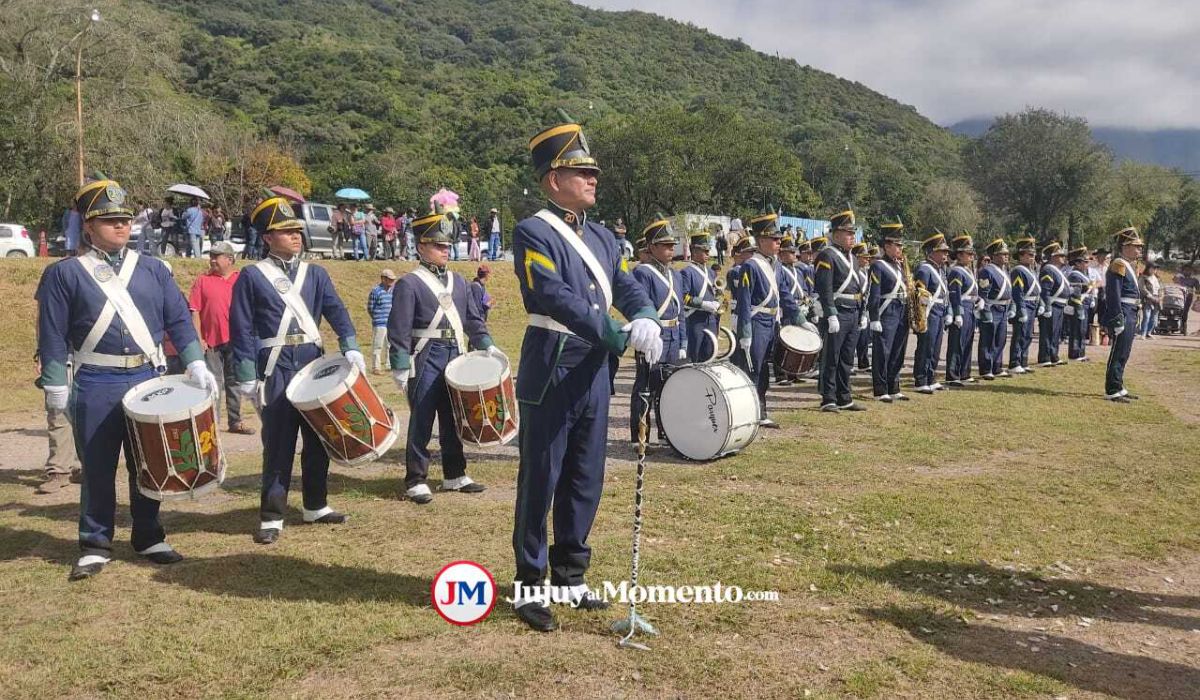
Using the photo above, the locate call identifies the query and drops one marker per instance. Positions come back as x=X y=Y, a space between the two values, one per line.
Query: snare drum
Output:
x=341 y=406
x=709 y=410
x=796 y=350
x=484 y=399
x=176 y=445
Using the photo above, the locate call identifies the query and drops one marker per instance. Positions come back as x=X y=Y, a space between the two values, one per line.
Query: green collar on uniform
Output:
x=114 y=259
x=573 y=219
x=285 y=265
x=440 y=271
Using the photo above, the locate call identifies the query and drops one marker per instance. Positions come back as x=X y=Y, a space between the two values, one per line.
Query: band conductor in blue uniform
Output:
x=1121 y=303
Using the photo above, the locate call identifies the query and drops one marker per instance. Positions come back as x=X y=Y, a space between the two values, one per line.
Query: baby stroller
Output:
x=1170 y=317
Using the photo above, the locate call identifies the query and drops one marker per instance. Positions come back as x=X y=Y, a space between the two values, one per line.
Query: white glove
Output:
x=641 y=331
x=808 y=326
x=1023 y=317
x=835 y=326
x=711 y=307
x=877 y=326
x=199 y=374
x=1047 y=313
x=683 y=353
x=400 y=376
x=862 y=323
x=958 y=321
x=654 y=352
x=1118 y=330
x=356 y=358
x=56 y=397
x=248 y=390
x=1069 y=310
x=495 y=351
x=1012 y=312
x=745 y=343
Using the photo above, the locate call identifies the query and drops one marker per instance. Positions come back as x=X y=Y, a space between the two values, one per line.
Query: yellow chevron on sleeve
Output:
x=1019 y=282
x=532 y=257
x=875 y=278
x=745 y=278
x=956 y=281
x=824 y=264
x=624 y=265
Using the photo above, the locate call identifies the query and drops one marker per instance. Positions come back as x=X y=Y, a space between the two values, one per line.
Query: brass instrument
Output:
x=719 y=290
x=919 y=301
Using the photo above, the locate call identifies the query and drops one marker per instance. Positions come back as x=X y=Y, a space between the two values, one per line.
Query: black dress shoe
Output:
x=168 y=557
x=538 y=617
x=79 y=573
x=591 y=602
x=267 y=535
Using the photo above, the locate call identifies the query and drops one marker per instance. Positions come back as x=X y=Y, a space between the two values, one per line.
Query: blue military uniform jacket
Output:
x=556 y=283
x=1080 y=286
x=1025 y=288
x=698 y=286
x=414 y=306
x=995 y=288
x=1120 y=291
x=1055 y=290
x=667 y=301
x=257 y=309
x=793 y=277
x=964 y=290
x=70 y=301
x=887 y=292
x=837 y=281
x=807 y=276
x=732 y=276
x=755 y=288
x=933 y=278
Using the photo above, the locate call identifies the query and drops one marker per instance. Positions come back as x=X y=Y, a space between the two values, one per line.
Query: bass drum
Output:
x=709 y=410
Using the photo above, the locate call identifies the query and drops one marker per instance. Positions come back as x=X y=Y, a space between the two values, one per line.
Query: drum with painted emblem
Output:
x=709 y=410
x=176 y=444
x=342 y=407
x=484 y=398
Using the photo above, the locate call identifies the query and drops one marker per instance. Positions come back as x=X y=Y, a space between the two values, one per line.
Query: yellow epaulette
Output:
x=1118 y=266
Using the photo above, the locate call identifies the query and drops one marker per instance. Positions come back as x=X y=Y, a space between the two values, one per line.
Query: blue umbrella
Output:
x=351 y=193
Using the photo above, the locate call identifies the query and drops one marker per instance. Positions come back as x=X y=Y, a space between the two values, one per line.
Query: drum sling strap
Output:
x=772 y=291
x=444 y=293
x=937 y=297
x=1005 y=285
x=703 y=289
x=969 y=294
x=1035 y=290
x=840 y=292
x=575 y=241
x=294 y=309
x=670 y=284
x=119 y=303
x=1059 y=296
x=897 y=292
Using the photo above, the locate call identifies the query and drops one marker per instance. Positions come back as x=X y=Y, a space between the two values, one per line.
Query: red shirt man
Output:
x=212 y=294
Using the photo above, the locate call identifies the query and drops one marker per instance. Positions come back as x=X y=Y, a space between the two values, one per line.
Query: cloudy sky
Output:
x=1132 y=63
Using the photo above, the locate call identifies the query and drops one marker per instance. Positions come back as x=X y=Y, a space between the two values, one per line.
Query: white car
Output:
x=15 y=241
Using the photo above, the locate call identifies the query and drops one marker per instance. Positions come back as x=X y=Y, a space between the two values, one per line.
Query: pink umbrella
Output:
x=444 y=200
x=288 y=193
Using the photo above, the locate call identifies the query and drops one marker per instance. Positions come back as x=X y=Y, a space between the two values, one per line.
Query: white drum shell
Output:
x=709 y=410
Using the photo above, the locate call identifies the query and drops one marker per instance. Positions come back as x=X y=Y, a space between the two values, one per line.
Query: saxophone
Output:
x=719 y=292
x=919 y=301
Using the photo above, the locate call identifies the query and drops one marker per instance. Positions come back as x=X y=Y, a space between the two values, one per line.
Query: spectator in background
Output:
x=211 y=296
x=72 y=225
x=250 y=235
x=146 y=240
x=479 y=290
x=371 y=222
x=473 y=243
x=1152 y=298
x=168 y=222
x=387 y=225
x=410 y=241
x=1095 y=272
x=193 y=220
x=722 y=247
x=623 y=243
x=379 y=307
x=341 y=230
x=493 y=227
x=456 y=233
x=216 y=225
x=358 y=232
x=1187 y=279
x=62 y=464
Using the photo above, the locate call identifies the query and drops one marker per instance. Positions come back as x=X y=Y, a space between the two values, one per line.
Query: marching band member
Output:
x=742 y=250
x=931 y=274
x=1121 y=304
x=433 y=319
x=1056 y=292
x=763 y=300
x=274 y=326
x=804 y=271
x=701 y=307
x=996 y=291
x=964 y=303
x=664 y=287
x=110 y=308
x=570 y=272
x=793 y=280
x=1027 y=299
x=887 y=303
x=865 y=255
x=1080 y=306
x=839 y=291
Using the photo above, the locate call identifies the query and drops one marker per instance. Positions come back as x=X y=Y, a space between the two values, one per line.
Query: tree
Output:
x=1035 y=167
x=946 y=205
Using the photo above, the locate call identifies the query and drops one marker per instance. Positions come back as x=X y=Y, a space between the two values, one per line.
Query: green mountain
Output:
x=387 y=93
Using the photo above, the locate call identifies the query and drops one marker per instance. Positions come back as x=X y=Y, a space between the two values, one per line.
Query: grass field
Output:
x=1023 y=539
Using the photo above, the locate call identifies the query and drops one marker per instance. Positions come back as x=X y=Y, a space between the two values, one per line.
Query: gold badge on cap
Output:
x=103 y=273
x=286 y=210
x=283 y=285
x=115 y=194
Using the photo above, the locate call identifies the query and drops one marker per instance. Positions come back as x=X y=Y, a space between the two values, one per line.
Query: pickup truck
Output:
x=318 y=228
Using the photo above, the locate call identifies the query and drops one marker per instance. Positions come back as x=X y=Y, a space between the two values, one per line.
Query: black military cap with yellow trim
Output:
x=817 y=243
x=102 y=199
x=1025 y=244
x=934 y=243
x=1051 y=249
x=743 y=244
x=891 y=232
x=659 y=231
x=274 y=214
x=562 y=146
x=787 y=243
x=873 y=251
x=842 y=221
x=1079 y=254
x=429 y=229
x=698 y=240
x=962 y=243
x=766 y=225
x=803 y=246
x=996 y=247
x=860 y=250
x=1128 y=236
